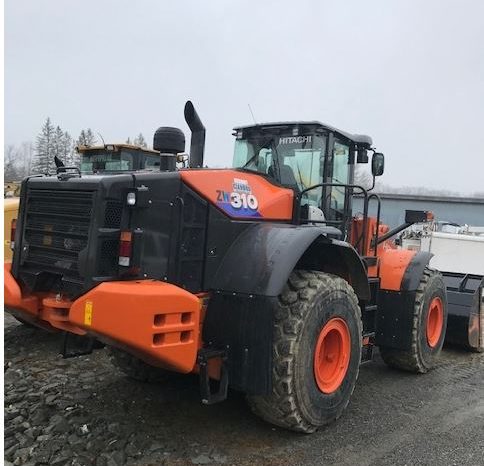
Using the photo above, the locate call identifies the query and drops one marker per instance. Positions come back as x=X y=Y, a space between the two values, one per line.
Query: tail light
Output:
x=125 y=248
x=13 y=228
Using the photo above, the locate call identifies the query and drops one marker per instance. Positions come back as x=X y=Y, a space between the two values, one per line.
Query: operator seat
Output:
x=287 y=176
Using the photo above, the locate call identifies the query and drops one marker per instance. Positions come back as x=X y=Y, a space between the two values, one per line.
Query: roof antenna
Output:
x=252 y=113
x=102 y=139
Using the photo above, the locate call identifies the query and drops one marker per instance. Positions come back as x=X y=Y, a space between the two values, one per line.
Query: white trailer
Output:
x=458 y=252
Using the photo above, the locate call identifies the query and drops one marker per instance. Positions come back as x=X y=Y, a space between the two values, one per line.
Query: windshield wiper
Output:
x=300 y=176
x=250 y=160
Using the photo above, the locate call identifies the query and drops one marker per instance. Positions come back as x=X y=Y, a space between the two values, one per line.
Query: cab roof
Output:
x=360 y=139
x=117 y=147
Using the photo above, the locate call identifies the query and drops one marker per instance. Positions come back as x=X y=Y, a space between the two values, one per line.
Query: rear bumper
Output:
x=156 y=321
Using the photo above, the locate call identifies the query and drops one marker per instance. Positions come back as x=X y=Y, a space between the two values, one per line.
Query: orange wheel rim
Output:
x=332 y=355
x=435 y=322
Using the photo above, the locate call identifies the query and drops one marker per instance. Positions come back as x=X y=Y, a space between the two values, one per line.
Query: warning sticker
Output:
x=88 y=313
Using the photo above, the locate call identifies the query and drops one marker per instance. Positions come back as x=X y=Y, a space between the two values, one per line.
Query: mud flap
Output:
x=465 y=295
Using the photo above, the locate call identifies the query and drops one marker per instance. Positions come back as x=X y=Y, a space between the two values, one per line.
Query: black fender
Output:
x=394 y=319
x=261 y=259
x=415 y=269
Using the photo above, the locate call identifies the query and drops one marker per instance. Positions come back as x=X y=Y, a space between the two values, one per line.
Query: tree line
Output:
x=52 y=141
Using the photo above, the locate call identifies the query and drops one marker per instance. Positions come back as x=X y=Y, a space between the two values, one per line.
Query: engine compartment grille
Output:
x=56 y=231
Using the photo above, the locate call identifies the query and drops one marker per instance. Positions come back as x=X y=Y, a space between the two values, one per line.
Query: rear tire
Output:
x=311 y=305
x=428 y=331
x=135 y=368
x=25 y=323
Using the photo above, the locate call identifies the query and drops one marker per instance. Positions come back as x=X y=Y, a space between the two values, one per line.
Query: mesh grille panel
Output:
x=56 y=230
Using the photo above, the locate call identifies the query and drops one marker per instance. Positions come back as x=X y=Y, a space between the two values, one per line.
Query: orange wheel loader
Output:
x=258 y=277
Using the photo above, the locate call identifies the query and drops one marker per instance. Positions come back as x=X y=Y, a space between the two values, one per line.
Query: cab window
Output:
x=152 y=161
x=102 y=160
x=293 y=161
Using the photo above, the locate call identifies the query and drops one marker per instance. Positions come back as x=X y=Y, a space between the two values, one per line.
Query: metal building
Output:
x=461 y=210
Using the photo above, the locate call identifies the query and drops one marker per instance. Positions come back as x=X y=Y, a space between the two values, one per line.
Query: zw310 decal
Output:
x=240 y=201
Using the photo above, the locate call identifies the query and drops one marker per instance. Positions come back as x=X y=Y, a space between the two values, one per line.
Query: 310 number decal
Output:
x=238 y=201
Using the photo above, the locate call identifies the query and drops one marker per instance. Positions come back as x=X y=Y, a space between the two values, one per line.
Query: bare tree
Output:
x=86 y=138
x=9 y=167
x=140 y=141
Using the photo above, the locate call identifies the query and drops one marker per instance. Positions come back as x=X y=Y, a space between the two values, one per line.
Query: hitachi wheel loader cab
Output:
x=260 y=277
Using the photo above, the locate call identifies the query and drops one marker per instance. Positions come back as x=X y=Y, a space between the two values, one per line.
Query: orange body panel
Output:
x=241 y=195
x=357 y=232
x=156 y=321
x=13 y=294
x=392 y=262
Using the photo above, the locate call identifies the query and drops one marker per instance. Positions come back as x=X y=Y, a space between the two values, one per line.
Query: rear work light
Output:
x=13 y=228
x=125 y=248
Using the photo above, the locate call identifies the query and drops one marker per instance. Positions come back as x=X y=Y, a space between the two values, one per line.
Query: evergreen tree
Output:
x=44 y=149
x=57 y=144
x=128 y=141
x=140 y=141
x=69 y=156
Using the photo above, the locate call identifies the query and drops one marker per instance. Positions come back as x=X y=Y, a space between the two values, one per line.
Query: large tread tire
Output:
x=309 y=300
x=421 y=358
x=25 y=323
x=135 y=368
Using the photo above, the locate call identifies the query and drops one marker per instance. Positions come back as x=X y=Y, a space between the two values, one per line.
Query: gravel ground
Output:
x=82 y=411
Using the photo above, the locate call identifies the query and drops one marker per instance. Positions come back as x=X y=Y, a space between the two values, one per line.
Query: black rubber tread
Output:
x=283 y=407
x=135 y=368
x=418 y=359
x=24 y=322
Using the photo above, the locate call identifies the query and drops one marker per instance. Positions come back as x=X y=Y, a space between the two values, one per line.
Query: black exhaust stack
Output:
x=197 y=143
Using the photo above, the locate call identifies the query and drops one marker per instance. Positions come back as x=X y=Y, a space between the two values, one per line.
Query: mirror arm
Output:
x=373 y=184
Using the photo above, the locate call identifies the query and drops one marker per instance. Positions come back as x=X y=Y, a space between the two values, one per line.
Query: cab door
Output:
x=338 y=198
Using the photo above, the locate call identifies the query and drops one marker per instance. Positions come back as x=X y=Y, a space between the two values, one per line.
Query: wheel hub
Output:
x=332 y=355
x=435 y=322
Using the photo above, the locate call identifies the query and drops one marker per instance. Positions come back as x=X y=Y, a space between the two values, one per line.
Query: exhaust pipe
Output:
x=197 y=143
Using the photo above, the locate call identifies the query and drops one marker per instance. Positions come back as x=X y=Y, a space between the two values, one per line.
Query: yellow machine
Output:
x=10 y=212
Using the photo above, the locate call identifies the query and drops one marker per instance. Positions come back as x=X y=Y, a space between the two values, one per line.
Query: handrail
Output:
x=298 y=198
x=63 y=174
x=377 y=197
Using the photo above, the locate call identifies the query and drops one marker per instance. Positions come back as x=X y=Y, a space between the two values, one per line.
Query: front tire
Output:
x=316 y=352
x=428 y=330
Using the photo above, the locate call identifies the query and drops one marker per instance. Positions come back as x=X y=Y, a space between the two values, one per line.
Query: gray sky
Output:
x=408 y=73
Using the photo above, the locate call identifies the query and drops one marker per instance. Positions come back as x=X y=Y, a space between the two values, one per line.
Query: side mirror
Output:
x=377 y=164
